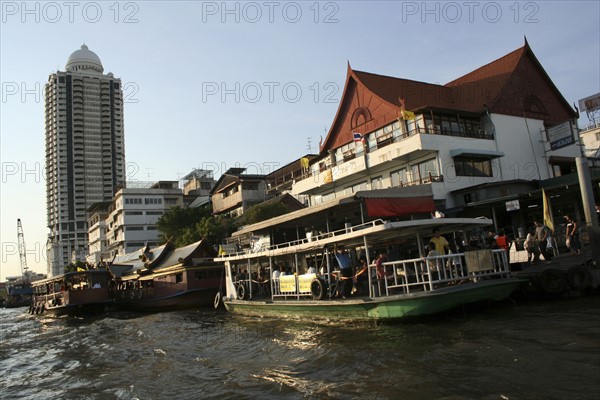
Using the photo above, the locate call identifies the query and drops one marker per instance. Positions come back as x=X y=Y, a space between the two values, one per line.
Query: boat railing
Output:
x=430 y=273
x=293 y=286
x=308 y=239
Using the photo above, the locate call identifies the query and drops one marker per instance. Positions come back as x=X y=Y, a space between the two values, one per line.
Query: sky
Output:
x=216 y=85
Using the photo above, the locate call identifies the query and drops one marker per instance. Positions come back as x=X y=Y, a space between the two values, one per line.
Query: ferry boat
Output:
x=418 y=284
x=167 y=278
x=77 y=293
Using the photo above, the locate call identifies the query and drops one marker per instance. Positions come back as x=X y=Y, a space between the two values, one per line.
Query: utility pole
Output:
x=587 y=197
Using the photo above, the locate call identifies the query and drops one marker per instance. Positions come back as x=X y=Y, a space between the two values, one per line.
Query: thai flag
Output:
x=358 y=138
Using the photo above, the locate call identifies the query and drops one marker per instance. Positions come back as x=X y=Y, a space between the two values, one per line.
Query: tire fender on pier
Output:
x=552 y=282
x=579 y=277
x=317 y=288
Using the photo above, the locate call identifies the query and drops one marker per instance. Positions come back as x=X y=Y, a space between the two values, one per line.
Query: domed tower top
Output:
x=84 y=60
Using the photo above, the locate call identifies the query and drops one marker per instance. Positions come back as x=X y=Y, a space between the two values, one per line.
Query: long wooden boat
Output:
x=168 y=279
x=73 y=293
x=405 y=287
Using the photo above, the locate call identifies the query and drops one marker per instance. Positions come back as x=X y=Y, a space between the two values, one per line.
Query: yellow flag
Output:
x=547 y=211
x=221 y=251
x=304 y=162
x=408 y=115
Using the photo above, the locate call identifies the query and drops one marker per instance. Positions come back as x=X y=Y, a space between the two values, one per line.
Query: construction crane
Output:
x=22 y=255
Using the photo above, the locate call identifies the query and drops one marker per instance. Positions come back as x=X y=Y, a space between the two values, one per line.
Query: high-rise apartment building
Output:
x=85 y=152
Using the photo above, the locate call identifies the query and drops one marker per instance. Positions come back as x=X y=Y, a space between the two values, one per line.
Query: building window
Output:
x=133 y=201
x=134 y=228
x=170 y=201
x=134 y=213
x=377 y=183
x=399 y=178
x=427 y=170
x=154 y=213
x=472 y=166
x=152 y=201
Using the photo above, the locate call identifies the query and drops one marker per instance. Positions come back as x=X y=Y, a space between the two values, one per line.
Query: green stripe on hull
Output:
x=441 y=301
x=393 y=307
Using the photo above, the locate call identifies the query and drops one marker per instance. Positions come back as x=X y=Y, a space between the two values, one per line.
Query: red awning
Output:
x=396 y=207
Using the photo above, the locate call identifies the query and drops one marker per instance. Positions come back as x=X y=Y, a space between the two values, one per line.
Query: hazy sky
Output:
x=221 y=84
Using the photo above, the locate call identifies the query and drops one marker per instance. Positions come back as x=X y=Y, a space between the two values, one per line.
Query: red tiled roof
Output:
x=515 y=84
x=468 y=93
x=499 y=69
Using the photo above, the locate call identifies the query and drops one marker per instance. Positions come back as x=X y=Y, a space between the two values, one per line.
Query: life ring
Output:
x=132 y=295
x=317 y=288
x=552 y=282
x=217 y=300
x=579 y=277
x=242 y=292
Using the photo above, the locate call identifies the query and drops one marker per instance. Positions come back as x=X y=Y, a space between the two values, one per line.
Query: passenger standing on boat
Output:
x=362 y=276
x=440 y=244
x=503 y=242
x=275 y=278
x=345 y=264
x=490 y=240
x=380 y=268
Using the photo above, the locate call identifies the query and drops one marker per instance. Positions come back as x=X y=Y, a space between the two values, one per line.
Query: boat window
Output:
x=179 y=278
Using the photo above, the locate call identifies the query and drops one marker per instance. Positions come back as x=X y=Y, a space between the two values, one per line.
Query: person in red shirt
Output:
x=503 y=243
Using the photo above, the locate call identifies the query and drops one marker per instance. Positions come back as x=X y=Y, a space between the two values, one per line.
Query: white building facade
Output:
x=85 y=152
x=483 y=135
x=131 y=220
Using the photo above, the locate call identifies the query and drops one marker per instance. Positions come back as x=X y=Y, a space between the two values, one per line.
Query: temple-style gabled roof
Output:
x=143 y=259
x=515 y=84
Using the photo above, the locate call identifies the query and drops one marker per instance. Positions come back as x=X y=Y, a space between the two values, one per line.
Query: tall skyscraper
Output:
x=85 y=152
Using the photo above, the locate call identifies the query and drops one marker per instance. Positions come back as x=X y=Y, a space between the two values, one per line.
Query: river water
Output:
x=530 y=350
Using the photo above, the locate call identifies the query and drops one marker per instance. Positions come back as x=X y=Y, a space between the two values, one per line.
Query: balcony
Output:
x=226 y=203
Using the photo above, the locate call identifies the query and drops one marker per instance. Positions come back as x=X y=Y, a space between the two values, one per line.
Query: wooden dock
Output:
x=564 y=274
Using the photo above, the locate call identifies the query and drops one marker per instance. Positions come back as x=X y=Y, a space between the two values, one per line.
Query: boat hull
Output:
x=175 y=301
x=382 y=308
x=73 y=310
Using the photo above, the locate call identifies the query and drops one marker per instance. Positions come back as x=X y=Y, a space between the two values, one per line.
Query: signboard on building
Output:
x=560 y=135
x=590 y=103
x=512 y=205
